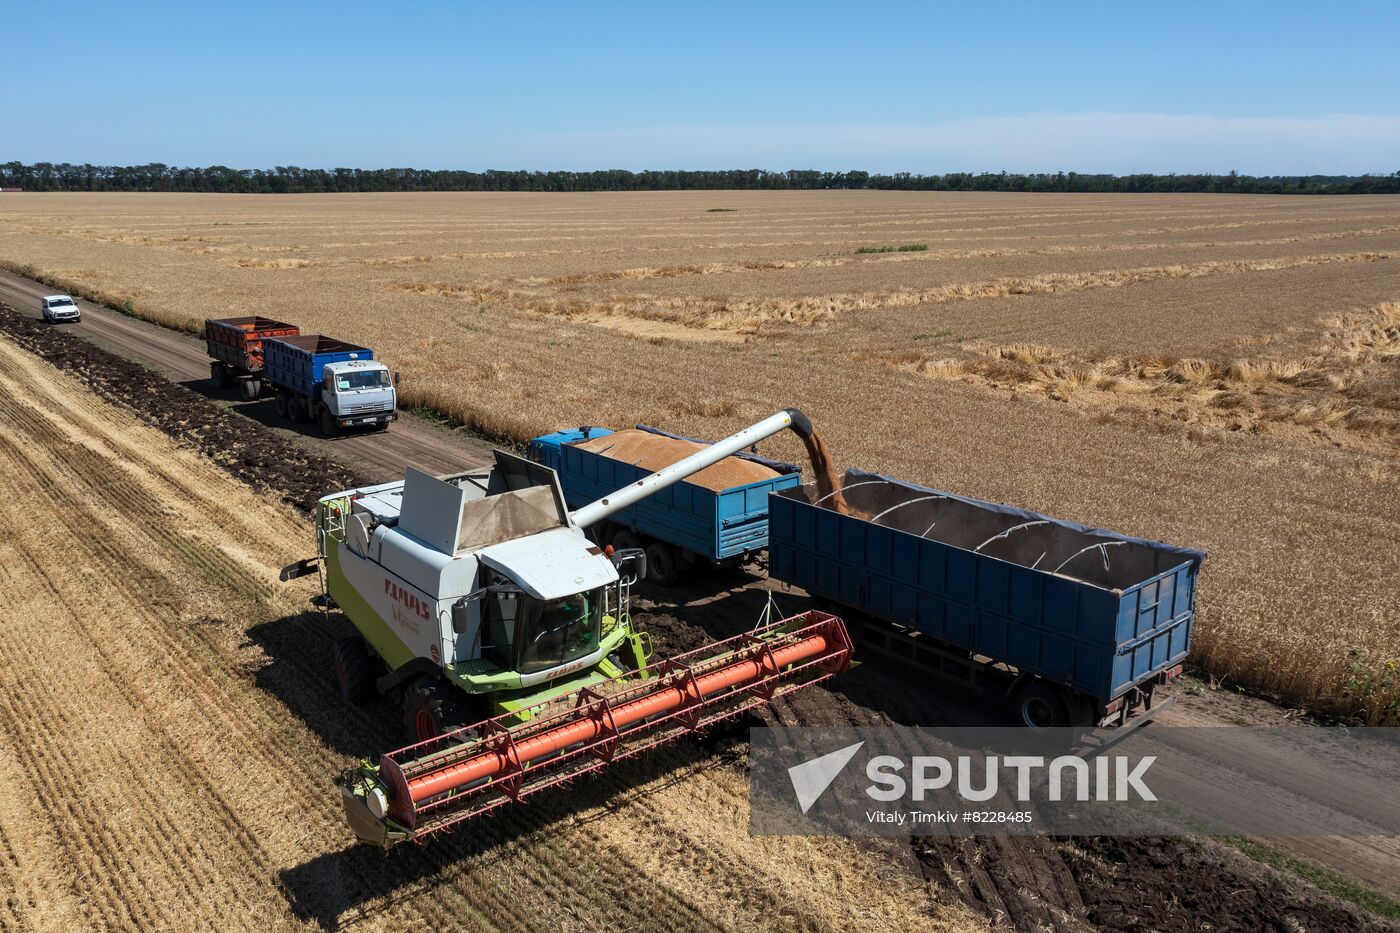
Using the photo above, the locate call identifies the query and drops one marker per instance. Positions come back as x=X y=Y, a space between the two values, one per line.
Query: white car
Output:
x=60 y=308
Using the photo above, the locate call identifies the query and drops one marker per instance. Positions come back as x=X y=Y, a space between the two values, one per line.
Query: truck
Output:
x=339 y=385
x=680 y=528
x=235 y=347
x=479 y=595
x=1077 y=625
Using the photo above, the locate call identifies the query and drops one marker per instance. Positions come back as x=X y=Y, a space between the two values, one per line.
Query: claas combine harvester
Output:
x=506 y=629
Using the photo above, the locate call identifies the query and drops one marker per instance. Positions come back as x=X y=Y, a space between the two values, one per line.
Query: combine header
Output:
x=480 y=599
x=434 y=784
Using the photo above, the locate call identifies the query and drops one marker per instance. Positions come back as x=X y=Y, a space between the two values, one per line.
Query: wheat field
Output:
x=1213 y=371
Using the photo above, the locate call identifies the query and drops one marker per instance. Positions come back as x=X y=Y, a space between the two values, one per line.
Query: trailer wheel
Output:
x=431 y=707
x=329 y=426
x=1040 y=706
x=249 y=389
x=355 y=669
x=218 y=375
x=663 y=564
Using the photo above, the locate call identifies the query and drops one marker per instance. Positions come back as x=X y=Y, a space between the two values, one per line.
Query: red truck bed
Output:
x=237 y=341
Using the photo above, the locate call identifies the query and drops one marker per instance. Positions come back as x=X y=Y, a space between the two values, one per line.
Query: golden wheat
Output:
x=1213 y=371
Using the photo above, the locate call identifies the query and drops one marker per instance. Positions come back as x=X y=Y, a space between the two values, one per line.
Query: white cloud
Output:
x=1121 y=143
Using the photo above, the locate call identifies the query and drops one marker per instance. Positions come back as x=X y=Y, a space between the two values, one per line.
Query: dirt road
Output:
x=181 y=357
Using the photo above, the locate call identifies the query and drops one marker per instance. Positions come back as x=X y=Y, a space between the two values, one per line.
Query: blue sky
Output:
x=1121 y=87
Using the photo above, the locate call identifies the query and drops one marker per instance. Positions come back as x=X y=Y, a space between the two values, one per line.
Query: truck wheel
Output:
x=249 y=389
x=279 y=402
x=625 y=540
x=1040 y=706
x=355 y=669
x=431 y=707
x=329 y=426
x=663 y=564
x=218 y=375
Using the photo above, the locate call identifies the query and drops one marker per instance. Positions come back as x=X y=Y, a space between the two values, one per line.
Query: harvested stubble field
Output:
x=169 y=726
x=1215 y=371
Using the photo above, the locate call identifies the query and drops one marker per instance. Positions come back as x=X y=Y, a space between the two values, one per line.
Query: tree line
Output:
x=290 y=179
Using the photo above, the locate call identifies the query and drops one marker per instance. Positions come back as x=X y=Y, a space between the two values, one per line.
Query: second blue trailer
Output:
x=681 y=526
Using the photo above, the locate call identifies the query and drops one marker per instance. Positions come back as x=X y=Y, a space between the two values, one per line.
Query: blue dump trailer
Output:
x=682 y=526
x=337 y=384
x=1078 y=625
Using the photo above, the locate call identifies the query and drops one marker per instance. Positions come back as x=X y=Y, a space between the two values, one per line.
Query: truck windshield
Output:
x=557 y=631
x=373 y=379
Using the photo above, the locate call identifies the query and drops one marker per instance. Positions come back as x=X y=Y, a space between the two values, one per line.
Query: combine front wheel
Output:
x=431 y=707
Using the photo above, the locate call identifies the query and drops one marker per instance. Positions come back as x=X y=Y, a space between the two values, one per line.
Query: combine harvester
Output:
x=480 y=597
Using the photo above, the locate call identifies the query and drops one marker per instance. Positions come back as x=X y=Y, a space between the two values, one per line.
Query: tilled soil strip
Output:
x=260 y=458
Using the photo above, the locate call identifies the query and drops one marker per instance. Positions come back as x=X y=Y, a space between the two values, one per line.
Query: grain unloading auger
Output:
x=480 y=598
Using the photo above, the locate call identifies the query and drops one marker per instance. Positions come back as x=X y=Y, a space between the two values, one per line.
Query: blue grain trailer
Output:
x=337 y=384
x=681 y=526
x=1079 y=625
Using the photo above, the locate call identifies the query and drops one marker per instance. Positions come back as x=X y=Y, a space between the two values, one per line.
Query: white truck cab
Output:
x=358 y=392
x=58 y=308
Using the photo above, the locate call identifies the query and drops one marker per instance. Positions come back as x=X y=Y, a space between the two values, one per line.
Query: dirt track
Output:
x=1034 y=883
x=183 y=359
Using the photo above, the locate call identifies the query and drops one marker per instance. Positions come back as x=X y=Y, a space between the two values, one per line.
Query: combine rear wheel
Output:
x=431 y=706
x=355 y=669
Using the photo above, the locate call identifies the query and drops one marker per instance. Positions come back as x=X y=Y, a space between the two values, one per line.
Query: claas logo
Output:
x=406 y=599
